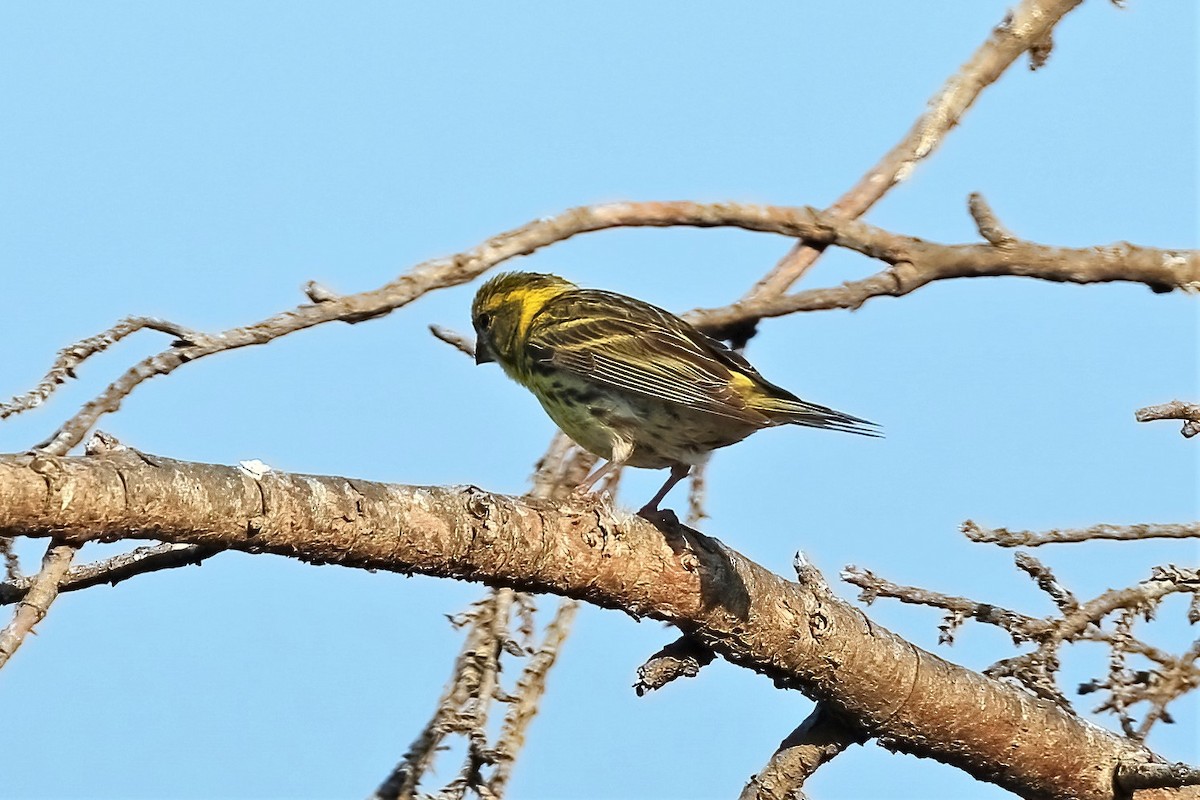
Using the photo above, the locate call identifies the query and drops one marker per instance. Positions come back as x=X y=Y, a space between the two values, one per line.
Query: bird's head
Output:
x=503 y=309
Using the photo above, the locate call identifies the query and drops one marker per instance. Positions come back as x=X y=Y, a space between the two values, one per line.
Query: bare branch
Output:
x=474 y=684
x=530 y=688
x=1025 y=28
x=682 y=658
x=12 y=564
x=1037 y=670
x=914 y=261
x=112 y=571
x=1139 y=775
x=71 y=357
x=41 y=592
x=1062 y=597
x=797 y=636
x=482 y=678
x=697 y=489
x=403 y=780
x=1022 y=628
x=1142 y=597
x=820 y=738
x=1007 y=538
x=1176 y=409
x=915 y=264
x=35 y=594
x=987 y=223
x=454 y=339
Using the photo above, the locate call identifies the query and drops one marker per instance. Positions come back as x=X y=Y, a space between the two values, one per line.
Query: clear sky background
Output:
x=201 y=161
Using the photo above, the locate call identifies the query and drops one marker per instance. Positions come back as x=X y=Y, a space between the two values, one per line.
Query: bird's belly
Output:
x=661 y=434
x=675 y=434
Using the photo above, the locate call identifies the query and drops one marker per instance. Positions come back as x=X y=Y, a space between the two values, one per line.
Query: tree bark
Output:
x=797 y=634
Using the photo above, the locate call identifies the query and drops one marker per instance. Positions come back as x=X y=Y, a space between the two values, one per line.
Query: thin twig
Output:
x=12 y=564
x=42 y=591
x=1037 y=670
x=71 y=357
x=454 y=339
x=1164 y=581
x=1047 y=582
x=464 y=706
x=1019 y=626
x=1025 y=28
x=403 y=780
x=111 y=571
x=914 y=263
x=697 y=489
x=484 y=684
x=528 y=695
x=1007 y=538
x=987 y=223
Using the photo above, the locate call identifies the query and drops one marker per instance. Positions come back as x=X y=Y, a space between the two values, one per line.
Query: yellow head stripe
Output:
x=528 y=291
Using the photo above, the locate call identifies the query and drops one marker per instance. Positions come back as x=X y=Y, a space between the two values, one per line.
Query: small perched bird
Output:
x=628 y=381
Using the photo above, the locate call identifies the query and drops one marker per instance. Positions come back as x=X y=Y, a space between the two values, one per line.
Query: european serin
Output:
x=628 y=381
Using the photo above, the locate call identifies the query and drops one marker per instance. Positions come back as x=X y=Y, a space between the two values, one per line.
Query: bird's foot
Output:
x=658 y=516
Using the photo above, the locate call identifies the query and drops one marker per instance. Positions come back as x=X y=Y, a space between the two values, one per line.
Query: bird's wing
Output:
x=633 y=346
x=627 y=344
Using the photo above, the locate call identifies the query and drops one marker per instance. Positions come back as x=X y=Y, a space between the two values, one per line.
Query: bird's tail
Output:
x=793 y=411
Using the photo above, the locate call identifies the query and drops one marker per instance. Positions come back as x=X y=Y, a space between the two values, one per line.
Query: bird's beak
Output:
x=482 y=354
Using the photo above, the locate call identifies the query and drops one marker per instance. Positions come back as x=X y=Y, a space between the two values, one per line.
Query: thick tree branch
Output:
x=473 y=685
x=801 y=637
x=1028 y=27
x=44 y=587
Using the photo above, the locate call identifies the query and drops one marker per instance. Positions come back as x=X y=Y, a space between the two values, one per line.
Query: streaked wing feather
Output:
x=792 y=409
x=633 y=346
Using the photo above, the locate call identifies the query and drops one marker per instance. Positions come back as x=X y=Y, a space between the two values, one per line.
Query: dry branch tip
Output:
x=454 y=339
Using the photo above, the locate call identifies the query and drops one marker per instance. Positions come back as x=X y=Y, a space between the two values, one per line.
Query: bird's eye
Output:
x=485 y=321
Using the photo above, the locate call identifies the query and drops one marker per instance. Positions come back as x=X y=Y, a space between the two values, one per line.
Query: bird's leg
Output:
x=678 y=473
x=595 y=477
x=622 y=449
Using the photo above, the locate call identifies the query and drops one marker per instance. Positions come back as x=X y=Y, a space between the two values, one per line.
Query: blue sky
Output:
x=202 y=161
